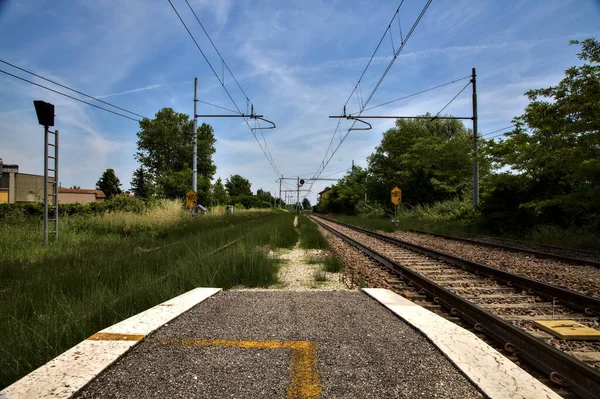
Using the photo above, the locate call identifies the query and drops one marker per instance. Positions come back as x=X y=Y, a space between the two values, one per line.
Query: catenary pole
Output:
x=195 y=140
x=280 y=191
x=475 y=134
x=298 y=196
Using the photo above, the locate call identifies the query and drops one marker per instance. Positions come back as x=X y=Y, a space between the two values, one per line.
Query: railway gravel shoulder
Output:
x=582 y=279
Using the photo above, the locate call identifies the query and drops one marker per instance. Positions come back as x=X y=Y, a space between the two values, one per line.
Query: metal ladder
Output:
x=51 y=177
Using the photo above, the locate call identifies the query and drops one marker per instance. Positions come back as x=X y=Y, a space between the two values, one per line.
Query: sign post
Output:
x=191 y=199
x=396 y=200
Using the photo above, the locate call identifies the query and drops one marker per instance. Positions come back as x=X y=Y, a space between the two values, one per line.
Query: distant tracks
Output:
x=567 y=255
x=499 y=303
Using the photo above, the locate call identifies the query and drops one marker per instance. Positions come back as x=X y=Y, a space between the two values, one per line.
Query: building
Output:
x=18 y=187
x=324 y=193
x=78 y=195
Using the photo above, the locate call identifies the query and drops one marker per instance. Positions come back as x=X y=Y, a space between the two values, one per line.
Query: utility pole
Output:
x=195 y=141
x=366 y=177
x=475 y=134
x=280 y=191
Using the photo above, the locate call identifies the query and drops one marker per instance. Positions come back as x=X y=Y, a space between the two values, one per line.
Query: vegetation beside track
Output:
x=107 y=267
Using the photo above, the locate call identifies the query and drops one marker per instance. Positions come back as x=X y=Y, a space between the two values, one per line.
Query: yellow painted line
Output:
x=102 y=336
x=304 y=375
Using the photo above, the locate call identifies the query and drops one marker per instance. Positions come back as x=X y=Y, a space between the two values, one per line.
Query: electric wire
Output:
x=414 y=94
x=496 y=131
x=71 y=97
x=217 y=106
x=217 y=50
x=326 y=160
x=450 y=102
x=273 y=166
x=71 y=89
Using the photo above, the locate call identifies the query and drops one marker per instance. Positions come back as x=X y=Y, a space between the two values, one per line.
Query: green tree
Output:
x=306 y=204
x=109 y=183
x=219 y=195
x=165 y=151
x=430 y=160
x=555 y=149
x=346 y=194
x=238 y=185
x=141 y=184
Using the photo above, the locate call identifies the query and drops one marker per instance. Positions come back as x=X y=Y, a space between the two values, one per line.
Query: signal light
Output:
x=45 y=112
x=301 y=181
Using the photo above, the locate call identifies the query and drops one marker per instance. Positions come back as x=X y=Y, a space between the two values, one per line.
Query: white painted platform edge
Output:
x=496 y=376
x=64 y=375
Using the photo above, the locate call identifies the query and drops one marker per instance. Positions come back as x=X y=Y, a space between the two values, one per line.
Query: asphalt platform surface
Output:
x=278 y=344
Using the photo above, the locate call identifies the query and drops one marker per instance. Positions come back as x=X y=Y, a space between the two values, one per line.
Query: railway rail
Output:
x=503 y=305
x=567 y=255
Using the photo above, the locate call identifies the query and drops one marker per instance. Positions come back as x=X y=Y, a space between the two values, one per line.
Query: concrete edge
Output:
x=486 y=368
x=67 y=373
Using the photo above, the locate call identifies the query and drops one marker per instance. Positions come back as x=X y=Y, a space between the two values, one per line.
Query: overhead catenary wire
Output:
x=71 y=89
x=71 y=97
x=217 y=50
x=327 y=159
x=416 y=94
x=87 y=95
x=451 y=101
x=269 y=159
x=499 y=130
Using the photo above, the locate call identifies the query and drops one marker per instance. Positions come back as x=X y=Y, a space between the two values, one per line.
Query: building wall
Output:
x=71 y=198
x=30 y=188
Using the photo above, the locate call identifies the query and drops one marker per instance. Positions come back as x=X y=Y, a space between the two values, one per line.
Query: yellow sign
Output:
x=191 y=199
x=396 y=195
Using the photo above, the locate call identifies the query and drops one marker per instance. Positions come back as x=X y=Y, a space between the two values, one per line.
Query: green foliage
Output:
x=332 y=264
x=249 y=201
x=109 y=183
x=345 y=196
x=238 y=186
x=455 y=209
x=310 y=236
x=123 y=202
x=553 y=153
x=306 y=204
x=54 y=296
x=141 y=184
x=319 y=276
x=165 y=150
x=429 y=160
x=219 y=195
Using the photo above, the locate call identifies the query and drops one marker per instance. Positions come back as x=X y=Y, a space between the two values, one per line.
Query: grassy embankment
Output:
x=311 y=238
x=459 y=217
x=105 y=268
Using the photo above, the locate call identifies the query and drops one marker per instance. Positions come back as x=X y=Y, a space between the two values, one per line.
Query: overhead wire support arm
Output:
x=397 y=117
x=251 y=116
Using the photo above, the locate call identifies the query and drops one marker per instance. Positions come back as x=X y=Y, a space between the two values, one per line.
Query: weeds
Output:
x=332 y=264
x=319 y=276
x=310 y=236
x=54 y=296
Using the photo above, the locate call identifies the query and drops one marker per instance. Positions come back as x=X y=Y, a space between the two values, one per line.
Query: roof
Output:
x=98 y=193
x=325 y=190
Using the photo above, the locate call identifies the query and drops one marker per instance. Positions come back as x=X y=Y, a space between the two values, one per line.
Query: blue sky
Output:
x=297 y=62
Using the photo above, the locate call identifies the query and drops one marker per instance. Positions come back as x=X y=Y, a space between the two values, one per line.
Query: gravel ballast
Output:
x=583 y=279
x=362 y=351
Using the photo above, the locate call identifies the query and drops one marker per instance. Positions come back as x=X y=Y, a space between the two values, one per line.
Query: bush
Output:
x=372 y=210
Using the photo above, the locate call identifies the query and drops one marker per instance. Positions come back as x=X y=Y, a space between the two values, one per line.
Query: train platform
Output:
x=282 y=344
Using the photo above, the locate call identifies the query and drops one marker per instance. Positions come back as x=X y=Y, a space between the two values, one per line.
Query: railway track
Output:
x=567 y=255
x=502 y=305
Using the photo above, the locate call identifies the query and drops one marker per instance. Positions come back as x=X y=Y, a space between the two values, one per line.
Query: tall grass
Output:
x=310 y=236
x=105 y=268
